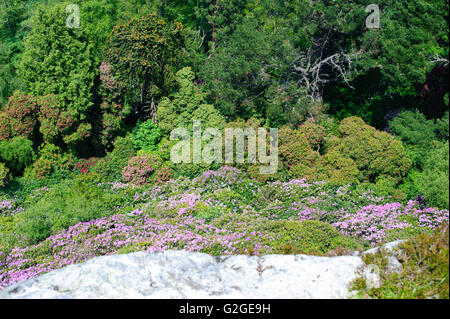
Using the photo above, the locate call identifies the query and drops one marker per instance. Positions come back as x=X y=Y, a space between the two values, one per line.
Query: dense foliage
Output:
x=87 y=112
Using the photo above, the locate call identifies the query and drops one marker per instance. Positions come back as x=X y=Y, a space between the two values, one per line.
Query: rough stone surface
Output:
x=181 y=274
x=389 y=247
x=394 y=266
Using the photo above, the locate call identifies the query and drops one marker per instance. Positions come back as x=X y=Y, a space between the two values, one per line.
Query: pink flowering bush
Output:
x=82 y=133
x=19 y=117
x=113 y=115
x=9 y=207
x=140 y=169
x=375 y=222
x=109 y=82
x=163 y=175
x=118 y=233
x=84 y=165
x=55 y=120
x=220 y=212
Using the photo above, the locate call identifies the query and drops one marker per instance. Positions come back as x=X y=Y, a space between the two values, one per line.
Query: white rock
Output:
x=181 y=274
x=371 y=275
x=389 y=247
x=394 y=266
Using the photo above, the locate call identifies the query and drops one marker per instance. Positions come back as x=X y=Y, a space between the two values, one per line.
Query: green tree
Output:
x=376 y=154
x=57 y=60
x=274 y=63
x=144 y=54
x=185 y=105
x=417 y=133
x=146 y=136
x=433 y=182
x=412 y=37
x=12 y=14
x=396 y=59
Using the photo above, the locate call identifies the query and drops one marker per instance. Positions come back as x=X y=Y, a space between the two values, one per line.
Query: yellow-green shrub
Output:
x=4 y=175
x=375 y=153
x=308 y=237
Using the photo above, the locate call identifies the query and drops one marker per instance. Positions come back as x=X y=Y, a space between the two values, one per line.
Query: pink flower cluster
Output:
x=374 y=222
x=107 y=78
x=8 y=208
x=109 y=235
x=140 y=169
x=84 y=165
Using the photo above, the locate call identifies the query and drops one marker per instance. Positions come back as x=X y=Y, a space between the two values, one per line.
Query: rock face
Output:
x=182 y=274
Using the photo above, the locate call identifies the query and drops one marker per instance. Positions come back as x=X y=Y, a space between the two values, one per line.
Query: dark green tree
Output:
x=145 y=53
x=417 y=133
x=57 y=60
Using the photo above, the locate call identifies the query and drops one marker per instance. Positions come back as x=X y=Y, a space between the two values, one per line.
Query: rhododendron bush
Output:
x=140 y=169
x=19 y=117
x=56 y=121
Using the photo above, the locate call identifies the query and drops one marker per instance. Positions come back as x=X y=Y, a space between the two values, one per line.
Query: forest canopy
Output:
x=353 y=102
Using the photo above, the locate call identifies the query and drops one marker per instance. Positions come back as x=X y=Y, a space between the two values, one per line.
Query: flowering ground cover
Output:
x=220 y=212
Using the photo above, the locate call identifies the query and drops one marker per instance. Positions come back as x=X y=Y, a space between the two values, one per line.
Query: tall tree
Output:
x=57 y=60
x=145 y=54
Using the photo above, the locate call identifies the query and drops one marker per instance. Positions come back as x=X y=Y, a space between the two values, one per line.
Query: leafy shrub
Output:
x=4 y=175
x=387 y=186
x=433 y=182
x=416 y=132
x=5 y=127
x=163 y=175
x=187 y=104
x=55 y=120
x=252 y=169
x=66 y=204
x=17 y=153
x=108 y=80
x=190 y=170
x=442 y=127
x=113 y=116
x=51 y=162
x=36 y=227
x=254 y=173
x=340 y=169
x=82 y=133
x=313 y=133
x=300 y=155
x=110 y=167
x=84 y=165
x=413 y=128
x=308 y=237
x=297 y=154
x=21 y=111
x=375 y=153
x=146 y=136
x=424 y=274
x=140 y=169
